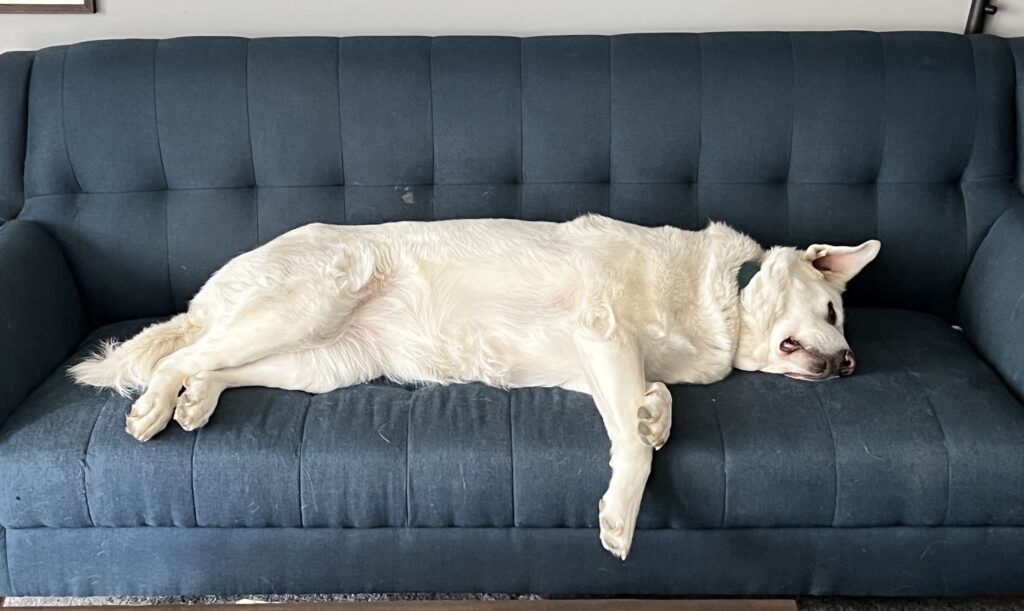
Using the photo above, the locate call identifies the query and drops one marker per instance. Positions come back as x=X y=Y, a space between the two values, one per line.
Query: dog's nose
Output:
x=849 y=364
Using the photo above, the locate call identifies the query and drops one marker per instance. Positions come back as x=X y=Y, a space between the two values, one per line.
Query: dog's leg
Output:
x=272 y=331
x=613 y=368
x=317 y=370
x=283 y=318
x=655 y=416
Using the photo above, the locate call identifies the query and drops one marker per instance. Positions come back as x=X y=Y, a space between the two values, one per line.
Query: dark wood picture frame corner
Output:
x=88 y=7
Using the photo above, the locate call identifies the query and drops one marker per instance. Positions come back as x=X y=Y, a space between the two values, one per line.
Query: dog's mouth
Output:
x=808 y=377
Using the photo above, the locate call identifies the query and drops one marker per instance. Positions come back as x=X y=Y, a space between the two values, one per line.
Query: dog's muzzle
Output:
x=841 y=363
x=824 y=367
x=849 y=364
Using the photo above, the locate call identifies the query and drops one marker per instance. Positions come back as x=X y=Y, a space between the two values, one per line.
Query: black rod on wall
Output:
x=980 y=9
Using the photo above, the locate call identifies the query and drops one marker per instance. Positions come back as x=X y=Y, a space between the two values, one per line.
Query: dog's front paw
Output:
x=617 y=527
x=654 y=417
x=149 y=416
x=196 y=403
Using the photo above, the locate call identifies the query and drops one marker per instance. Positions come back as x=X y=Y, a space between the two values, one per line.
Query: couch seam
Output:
x=64 y=121
x=256 y=212
x=433 y=134
x=968 y=254
x=989 y=179
x=163 y=169
x=926 y=393
x=344 y=204
x=408 y=442
x=885 y=114
x=884 y=135
x=192 y=478
x=974 y=113
x=341 y=122
x=167 y=258
x=725 y=470
x=700 y=130
x=156 y=118
x=792 y=133
x=505 y=528
x=302 y=442
x=522 y=134
x=248 y=114
x=252 y=157
x=608 y=41
x=27 y=97
x=835 y=454
x=949 y=458
x=85 y=461
x=512 y=456
x=7 y=559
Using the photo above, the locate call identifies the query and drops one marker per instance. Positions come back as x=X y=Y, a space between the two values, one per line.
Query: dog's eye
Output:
x=831 y=314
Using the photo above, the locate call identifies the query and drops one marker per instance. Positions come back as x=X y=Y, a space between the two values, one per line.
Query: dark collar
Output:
x=747 y=272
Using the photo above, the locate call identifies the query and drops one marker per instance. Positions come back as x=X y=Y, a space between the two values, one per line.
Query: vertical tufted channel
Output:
x=386 y=129
x=655 y=125
x=110 y=116
x=746 y=127
x=293 y=112
x=353 y=463
x=566 y=116
x=200 y=111
x=930 y=117
x=295 y=120
x=838 y=137
x=460 y=457
x=477 y=119
x=47 y=165
x=15 y=69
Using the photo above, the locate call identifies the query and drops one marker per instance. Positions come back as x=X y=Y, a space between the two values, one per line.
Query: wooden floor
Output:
x=505 y=605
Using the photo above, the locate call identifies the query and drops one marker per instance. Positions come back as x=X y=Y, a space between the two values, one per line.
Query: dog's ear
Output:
x=841 y=263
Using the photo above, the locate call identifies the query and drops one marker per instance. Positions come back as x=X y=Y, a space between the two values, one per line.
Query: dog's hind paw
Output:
x=654 y=417
x=197 y=402
x=150 y=415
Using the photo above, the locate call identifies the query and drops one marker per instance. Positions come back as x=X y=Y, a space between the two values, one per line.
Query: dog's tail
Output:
x=127 y=366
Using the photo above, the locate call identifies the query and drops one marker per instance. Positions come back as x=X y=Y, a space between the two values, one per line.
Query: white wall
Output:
x=167 y=18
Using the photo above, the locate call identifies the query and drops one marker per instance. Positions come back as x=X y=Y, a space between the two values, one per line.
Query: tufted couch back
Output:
x=154 y=162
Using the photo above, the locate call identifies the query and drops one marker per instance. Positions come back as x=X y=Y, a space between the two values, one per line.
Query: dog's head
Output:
x=792 y=311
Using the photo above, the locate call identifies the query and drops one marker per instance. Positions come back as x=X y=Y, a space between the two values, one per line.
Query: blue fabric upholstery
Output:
x=992 y=301
x=901 y=561
x=14 y=73
x=135 y=168
x=922 y=432
x=203 y=147
x=41 y=317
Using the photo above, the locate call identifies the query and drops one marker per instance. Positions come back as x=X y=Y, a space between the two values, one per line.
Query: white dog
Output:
x=593 y=305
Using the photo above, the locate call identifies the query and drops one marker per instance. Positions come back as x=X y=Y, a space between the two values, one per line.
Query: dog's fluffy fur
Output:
x=593 y=305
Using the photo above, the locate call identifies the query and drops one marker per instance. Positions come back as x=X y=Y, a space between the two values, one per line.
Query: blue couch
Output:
x=130 y=170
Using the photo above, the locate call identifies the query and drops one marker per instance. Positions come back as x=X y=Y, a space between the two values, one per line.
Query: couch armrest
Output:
x=992 y=298
x=41 y=316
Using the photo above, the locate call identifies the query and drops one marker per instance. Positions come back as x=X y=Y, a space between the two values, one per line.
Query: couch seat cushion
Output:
x=924 y=434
